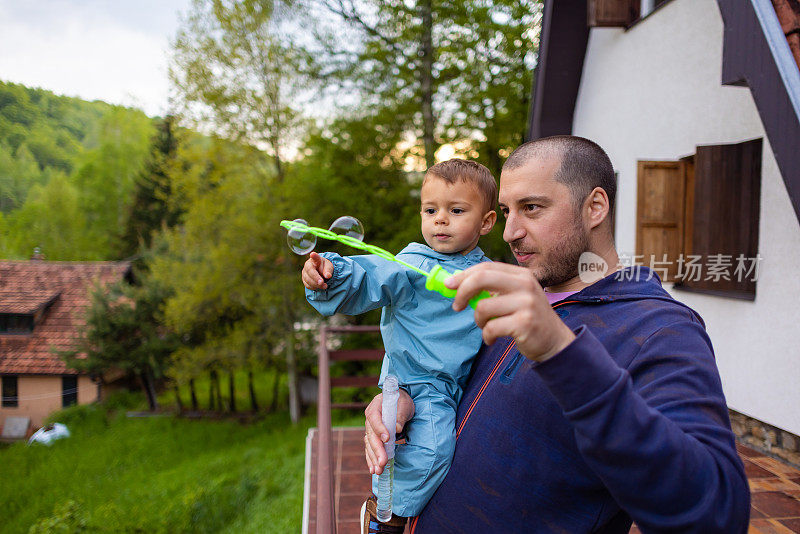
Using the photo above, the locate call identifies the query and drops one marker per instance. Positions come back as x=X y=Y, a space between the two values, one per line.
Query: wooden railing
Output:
x=326 y=513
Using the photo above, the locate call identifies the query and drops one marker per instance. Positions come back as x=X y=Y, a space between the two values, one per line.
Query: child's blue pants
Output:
x=422 y=462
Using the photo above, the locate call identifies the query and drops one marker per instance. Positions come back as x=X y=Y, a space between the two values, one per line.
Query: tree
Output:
x=51 y=219
x=124 y=330
x=105 y=175
x=490 y=103
x=229 y=288
x=18 y=173
x=449 y=71
x=151 y=209
x=236 y=75
x=393 y=67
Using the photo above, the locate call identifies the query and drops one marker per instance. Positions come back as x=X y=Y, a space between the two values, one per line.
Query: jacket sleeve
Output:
x=360 y=284
x=658 y=433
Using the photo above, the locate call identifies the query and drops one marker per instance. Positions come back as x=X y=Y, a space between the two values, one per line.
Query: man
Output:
x=593 y=403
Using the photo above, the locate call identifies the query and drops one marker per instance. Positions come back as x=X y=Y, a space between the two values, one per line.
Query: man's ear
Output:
x=488 y=222
x=597 y=207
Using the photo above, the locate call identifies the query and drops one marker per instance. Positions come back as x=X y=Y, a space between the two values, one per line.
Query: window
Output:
x=14 y=323
x=10 y=395
x=69 y=390
x=661 y=213
x=697 y=219
x=612 y=13
x=619 y=13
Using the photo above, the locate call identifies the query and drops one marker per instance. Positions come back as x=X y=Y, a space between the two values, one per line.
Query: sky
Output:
x=111 y=50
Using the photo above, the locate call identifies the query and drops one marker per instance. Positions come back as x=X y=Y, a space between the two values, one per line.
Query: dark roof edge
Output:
x=757 y=54
x=66 y=372
x=557 y=78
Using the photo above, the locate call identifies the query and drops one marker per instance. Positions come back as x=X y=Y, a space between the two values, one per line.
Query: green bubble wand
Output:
x=435 y=278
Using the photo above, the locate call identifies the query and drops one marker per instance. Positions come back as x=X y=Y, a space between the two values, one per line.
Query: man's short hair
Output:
x=584 y=165
x=471 y=172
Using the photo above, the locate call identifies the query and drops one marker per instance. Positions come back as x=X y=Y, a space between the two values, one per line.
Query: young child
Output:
x=428 y=345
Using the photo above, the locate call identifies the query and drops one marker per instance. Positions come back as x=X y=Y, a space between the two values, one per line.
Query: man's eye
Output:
x=531 y=207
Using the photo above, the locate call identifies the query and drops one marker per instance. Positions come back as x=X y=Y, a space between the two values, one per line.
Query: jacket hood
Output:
x=475 y=254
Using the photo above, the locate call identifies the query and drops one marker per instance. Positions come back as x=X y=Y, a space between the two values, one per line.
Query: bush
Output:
x=67 y=518
x=80 y=417
x=125 y=400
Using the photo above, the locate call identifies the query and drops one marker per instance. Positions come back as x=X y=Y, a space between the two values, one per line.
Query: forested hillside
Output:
x=67 y=173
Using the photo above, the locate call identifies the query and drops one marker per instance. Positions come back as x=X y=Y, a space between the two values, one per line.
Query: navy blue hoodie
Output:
x=629 y=421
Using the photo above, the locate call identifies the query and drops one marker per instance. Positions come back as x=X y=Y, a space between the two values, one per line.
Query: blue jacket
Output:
x=629 y=421
x=418 y=326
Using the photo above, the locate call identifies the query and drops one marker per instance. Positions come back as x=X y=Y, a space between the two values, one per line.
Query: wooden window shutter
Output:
x=612 y=13
x=660 y=216
x=725 y=213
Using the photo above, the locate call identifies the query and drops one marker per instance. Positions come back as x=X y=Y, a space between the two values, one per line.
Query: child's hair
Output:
x=471 y=172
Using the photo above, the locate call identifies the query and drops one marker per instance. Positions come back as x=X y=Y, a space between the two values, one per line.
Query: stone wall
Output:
x=766 y=438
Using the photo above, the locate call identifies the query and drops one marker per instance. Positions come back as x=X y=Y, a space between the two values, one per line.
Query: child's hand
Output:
x=375 y=433
x=316 y=270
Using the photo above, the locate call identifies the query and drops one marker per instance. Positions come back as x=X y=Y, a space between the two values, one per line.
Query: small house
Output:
x=42 y=311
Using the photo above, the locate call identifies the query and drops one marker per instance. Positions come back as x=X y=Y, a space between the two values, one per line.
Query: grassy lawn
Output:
x=162 y=474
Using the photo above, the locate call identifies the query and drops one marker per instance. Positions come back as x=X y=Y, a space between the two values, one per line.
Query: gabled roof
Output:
x=29 y=287
x=756 y=53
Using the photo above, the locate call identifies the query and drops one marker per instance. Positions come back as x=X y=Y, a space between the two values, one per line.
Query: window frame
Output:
x=9 y=401
x=69 y=398
x=7 y=318
x=718 y=181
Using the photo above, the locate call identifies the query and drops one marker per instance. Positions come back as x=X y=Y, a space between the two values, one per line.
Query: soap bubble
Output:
x=349 y=226
x=300 y=241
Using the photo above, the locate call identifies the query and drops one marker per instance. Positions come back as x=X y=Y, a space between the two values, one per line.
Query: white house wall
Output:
x=653 y=93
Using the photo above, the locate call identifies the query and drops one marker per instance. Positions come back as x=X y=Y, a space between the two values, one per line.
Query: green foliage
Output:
x=49 y=129
x=352 y=168
x=124 y=331
x=151 y=209
x=105 y=176
x=264 y=381
x=230 y=291
x=67 y=170
x=67 y=518
x=19 y=171
x=477 y=67
x=236 y=74
x=51 y=218
x=123 y=400
x=116 y=474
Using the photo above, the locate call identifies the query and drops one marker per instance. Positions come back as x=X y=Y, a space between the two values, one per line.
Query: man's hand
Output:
x=518 y=308
x=315 y=271
x=376 y=435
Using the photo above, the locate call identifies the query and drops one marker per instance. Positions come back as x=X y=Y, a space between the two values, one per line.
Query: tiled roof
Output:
x=789 y=16
x=27 y=286
x=25 y=302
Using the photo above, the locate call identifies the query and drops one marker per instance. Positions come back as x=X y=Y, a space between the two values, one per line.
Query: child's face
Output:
x=453 y=216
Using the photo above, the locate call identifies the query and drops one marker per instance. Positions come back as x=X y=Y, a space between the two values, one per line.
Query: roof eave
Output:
x=557 y=77
x=757 y=54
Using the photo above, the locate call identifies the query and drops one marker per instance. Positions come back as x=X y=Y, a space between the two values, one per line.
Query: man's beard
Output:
x=561 y=263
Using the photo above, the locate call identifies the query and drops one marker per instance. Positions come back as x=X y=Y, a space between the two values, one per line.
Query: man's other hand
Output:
x=518 y=308
x=315 y=271
x=376 y=435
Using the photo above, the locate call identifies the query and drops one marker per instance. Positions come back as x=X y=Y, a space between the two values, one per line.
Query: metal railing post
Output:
x=326 y=514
